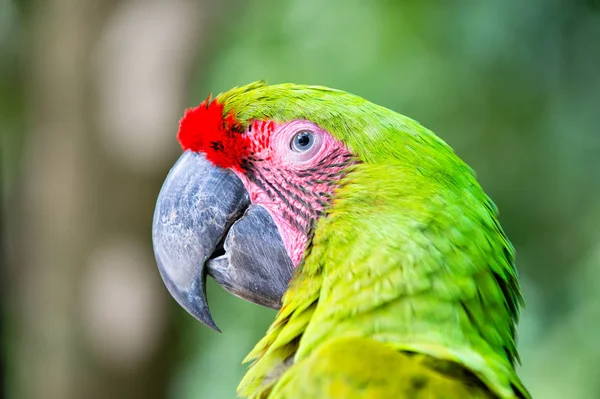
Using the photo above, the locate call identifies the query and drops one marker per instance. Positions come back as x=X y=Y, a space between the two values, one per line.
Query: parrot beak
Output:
x=204 y=224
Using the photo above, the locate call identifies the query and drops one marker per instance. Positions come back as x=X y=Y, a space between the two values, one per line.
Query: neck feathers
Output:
x=411 y=257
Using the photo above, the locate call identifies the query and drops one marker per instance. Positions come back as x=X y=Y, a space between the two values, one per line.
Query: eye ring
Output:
x=302 y=141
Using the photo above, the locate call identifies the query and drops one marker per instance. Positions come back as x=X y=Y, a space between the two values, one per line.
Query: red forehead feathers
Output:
x=205 y=129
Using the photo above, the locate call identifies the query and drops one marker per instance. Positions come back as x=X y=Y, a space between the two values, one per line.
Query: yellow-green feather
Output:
x=360 y=368
x=409 y=258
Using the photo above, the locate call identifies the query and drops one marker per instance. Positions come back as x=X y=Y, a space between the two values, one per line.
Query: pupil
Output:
x=303 y=139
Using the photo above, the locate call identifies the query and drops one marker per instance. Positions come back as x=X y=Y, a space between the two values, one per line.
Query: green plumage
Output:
x=408 y=287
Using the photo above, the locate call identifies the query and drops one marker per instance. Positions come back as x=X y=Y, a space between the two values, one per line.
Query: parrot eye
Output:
x=302 y=141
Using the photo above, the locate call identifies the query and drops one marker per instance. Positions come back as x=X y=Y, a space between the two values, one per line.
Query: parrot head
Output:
x=242 y=202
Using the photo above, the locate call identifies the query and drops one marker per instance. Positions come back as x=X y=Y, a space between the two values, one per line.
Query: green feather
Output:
x=410 y=258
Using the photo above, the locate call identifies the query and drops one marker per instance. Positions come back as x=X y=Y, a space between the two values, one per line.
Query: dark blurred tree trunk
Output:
x=72 y=197
x=56 y=218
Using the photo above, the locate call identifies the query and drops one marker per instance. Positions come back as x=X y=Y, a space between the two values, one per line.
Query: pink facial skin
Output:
x=294 y=186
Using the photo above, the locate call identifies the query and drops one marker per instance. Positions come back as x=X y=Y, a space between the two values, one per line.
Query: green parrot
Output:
x=392 y=275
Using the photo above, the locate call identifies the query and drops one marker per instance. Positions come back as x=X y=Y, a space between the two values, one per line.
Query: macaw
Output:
x=392 y=275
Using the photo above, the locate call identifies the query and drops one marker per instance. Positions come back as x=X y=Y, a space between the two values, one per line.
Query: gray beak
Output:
x=204 y=224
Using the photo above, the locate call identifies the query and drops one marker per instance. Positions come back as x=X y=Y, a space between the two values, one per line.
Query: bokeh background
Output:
x=90 y=97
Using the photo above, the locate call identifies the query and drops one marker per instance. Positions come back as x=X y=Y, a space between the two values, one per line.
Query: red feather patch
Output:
x=205 y=129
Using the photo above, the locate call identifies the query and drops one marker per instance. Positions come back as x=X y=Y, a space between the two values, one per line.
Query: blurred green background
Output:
x=90 y=97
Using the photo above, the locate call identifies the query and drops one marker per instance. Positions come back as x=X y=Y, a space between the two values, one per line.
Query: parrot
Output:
x=385 y=259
